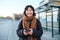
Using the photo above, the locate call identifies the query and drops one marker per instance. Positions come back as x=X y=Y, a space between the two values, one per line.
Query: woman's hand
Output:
x=24 y=32
x=30 y=32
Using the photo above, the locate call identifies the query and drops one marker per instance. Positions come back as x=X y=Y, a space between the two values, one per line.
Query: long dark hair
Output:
x=34 y=14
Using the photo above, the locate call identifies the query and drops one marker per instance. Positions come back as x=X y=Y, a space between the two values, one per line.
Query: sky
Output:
x=9 y=7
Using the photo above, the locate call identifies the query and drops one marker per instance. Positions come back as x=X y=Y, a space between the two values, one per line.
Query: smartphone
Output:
x=27 y=30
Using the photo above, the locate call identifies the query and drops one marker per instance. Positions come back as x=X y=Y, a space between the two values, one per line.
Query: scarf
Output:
x=26 y=24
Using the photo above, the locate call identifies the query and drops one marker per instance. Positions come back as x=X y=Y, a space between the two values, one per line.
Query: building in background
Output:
x=17 y=16
x=49 y=15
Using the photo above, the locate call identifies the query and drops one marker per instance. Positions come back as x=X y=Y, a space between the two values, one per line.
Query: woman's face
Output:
x=29 y=12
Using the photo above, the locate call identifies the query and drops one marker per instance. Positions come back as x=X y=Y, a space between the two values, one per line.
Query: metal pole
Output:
x=39 y=16
x=46 y=16
x=46 y=20
x=52 y=21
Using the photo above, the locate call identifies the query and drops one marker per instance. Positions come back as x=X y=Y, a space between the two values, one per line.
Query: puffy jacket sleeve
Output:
x=20 y=30
x=38 y=31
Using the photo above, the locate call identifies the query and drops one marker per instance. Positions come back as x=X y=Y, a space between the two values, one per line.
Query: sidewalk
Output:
x=47 y=35
x=10 y=32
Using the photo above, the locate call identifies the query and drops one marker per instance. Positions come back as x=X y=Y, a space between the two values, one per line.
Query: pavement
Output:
x=8 y=32
x=47 y=35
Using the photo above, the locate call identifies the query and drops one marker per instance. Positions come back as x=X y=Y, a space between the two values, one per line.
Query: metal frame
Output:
x=47 y=4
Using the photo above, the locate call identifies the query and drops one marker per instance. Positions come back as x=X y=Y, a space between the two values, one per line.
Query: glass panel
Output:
x=55 y=22
x=43 y=19
x=49 y=21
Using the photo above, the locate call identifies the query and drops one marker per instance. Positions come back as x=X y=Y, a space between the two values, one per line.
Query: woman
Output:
x=30 y=27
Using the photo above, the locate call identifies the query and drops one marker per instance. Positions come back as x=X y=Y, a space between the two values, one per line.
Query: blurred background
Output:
x=47 y=11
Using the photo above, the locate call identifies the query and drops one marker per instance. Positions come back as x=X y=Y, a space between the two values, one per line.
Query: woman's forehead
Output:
x=29 y=8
